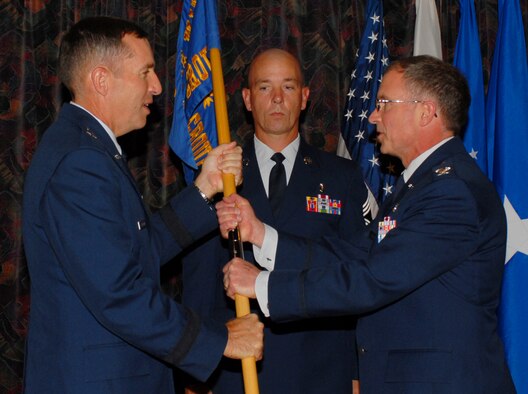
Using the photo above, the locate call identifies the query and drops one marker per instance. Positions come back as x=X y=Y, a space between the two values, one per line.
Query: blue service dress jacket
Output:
x=427 y=292
x=314 y=355
x=99 y=322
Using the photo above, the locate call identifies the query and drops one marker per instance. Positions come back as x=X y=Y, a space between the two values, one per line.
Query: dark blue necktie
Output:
x=277 y=182
x=398 y=186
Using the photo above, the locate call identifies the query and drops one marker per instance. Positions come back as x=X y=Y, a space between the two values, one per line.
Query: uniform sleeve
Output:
x=436 y=233
x=184 y=221
x=94 y=227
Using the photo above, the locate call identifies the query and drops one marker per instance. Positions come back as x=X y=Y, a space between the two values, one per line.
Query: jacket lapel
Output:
x=252 y=188
x=305 y=168
x=99 y=137
x=422 y=173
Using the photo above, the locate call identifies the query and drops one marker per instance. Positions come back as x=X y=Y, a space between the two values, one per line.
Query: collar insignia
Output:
x=443 y=171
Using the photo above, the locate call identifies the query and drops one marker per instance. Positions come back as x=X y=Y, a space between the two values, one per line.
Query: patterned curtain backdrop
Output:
x=323 y=33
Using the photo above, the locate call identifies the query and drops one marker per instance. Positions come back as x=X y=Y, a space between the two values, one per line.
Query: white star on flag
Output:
x=365 y=96
x=359 y=135
x=517 y=231
x=473 y=153
x=364 y=114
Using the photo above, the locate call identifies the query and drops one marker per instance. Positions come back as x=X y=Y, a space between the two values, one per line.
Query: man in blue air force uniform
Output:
x=324 y=196
x=99 y=322
x=426 y=280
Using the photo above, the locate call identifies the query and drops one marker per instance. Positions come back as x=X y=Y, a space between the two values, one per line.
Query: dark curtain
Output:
x=324 y=33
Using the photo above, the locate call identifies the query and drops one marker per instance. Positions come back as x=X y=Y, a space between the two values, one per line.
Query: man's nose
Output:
x=155 y=85
x=277 y=96
x=374 y=116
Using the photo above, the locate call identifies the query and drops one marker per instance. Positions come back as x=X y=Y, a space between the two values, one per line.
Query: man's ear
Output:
x=100 y=79
x=428 y=113
x=246 y=96
x=305 y=93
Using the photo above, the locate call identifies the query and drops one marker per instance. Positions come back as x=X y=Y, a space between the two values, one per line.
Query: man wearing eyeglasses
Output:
x=426 y=279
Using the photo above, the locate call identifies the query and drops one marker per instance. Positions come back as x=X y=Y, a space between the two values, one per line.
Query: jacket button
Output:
x=362 y=350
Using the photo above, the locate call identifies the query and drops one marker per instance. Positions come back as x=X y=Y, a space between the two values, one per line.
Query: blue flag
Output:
x=468 y=60
x=193 y=131
x=507 y=124
x=358 y=139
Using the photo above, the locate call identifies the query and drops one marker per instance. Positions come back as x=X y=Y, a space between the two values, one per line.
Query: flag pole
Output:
x=249 y=367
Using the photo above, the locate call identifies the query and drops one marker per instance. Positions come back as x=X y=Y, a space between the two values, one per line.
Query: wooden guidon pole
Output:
x=249 y=367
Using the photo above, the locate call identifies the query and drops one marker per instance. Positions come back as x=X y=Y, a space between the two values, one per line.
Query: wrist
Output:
x=203 y=186
x=207 y=200
x=258 y=236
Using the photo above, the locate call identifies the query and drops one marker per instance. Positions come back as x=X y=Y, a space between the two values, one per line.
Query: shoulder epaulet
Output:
x=446 y=168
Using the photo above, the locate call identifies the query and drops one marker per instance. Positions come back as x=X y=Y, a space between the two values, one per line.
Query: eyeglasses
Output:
x=380 y=103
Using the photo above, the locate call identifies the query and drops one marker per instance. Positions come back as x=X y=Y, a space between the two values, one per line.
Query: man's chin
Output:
x=141 y=124
x=379 y=142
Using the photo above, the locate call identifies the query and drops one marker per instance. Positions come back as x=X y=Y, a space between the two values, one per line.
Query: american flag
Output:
x=357 y=140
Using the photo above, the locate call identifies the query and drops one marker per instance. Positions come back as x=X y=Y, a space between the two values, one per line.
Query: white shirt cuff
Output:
x=261 y=291
x=265 y=256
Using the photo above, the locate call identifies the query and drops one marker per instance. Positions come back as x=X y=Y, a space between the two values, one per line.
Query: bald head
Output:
x=275 y=96
x=274 y=56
